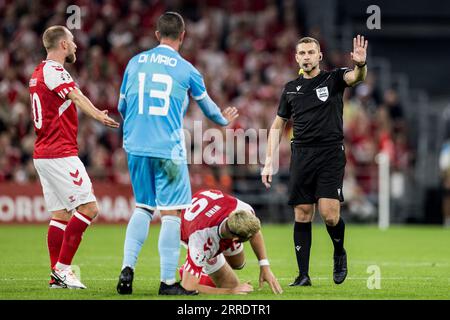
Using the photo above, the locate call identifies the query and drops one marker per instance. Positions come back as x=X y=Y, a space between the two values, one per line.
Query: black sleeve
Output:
x=284 y=109
x=339 y=78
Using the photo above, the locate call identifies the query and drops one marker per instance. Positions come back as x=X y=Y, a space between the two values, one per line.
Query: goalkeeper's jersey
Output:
x=153 y=101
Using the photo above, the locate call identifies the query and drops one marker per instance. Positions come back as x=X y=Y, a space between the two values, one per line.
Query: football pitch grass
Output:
x=414 y=263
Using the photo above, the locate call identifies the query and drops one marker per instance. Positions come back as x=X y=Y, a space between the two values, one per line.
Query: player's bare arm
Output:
x=359 y=56
x=191 y=283
x=83 y=102
x=273 y=142
x=265 y=273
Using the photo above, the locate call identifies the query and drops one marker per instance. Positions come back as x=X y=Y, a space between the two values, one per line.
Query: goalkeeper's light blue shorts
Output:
x=160 y=184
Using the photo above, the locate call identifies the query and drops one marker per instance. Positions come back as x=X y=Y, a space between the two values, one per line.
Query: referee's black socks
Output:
x=337 y=236
x=302 y=243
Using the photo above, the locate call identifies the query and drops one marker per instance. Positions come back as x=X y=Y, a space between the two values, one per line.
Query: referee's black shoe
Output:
x=340 y=268
x=125 y=285
x=175 y=290
x=302 y=280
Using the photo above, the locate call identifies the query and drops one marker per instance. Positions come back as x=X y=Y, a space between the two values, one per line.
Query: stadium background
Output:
x=245 y=50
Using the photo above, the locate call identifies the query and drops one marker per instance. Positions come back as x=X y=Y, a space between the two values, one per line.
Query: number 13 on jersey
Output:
x=158 y=94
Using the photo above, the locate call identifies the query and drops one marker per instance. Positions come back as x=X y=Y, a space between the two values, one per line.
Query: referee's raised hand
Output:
x=359 y=53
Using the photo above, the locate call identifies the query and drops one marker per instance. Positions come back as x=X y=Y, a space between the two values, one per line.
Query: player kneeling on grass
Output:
x=214 y=229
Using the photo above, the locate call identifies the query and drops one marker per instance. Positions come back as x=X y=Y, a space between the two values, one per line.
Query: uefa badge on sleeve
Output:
x=322 y=93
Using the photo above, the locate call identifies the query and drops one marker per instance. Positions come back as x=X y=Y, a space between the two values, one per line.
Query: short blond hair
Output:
x=52 y=35
x=243 y=223
x=308 y=40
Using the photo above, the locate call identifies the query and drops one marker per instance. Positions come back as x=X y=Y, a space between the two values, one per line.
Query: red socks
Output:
x=55 y=236
x=72 y=237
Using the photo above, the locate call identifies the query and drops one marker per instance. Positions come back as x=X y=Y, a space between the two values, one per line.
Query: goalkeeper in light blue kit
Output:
x=153 y=100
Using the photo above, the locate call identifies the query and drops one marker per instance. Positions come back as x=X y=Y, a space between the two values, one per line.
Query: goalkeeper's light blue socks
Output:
x=137 y=232
x=168 y=243
x=169 y=247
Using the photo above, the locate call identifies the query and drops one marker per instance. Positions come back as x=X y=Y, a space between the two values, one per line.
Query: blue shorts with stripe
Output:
x=158 y=183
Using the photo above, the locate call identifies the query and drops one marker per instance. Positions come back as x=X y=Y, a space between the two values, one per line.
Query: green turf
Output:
x=414 y=264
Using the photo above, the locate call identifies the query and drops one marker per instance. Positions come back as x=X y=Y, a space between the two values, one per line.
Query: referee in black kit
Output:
x=314 y=100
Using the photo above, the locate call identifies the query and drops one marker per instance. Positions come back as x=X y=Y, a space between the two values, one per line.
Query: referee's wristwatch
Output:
x=363 y=65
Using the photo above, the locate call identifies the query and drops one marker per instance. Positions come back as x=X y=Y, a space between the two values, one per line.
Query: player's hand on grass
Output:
x=266 y=175
x=106 y=120
x=242 y=288
x=266 y=275
x=359 y=53
x=230 y=113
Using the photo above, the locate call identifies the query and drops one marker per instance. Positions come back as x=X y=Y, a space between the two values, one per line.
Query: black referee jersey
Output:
x=316 y=108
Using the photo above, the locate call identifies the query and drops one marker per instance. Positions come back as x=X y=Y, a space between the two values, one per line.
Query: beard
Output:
x=71 y=58
x=309 y=67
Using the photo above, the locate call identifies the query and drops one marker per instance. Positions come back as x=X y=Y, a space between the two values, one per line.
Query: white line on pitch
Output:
x=282 y=279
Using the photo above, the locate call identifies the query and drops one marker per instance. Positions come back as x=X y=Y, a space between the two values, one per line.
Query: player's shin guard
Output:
x=72 y=238
x=55 y=237
x=169 y=247
x=137 y=233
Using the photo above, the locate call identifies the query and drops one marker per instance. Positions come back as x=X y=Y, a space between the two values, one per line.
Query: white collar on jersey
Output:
x=220 y=228
x=166 y=46
x=52 y=61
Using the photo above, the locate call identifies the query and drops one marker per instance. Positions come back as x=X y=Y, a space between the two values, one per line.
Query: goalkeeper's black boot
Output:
x=125 y=285
x=175 y=290
x=302 y=280
x=340 y=268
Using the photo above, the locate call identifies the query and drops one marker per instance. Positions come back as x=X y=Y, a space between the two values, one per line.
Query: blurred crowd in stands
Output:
x=244 y=49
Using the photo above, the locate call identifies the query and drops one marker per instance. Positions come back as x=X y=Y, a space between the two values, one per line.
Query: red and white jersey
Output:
x=55 y=116
x=200 y=225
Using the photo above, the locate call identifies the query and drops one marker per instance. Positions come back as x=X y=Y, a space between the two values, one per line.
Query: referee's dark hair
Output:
x=170 y=25
x=308 y=40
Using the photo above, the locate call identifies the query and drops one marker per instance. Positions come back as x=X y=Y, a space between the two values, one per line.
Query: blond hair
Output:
x=52 y=35
x=243 y=223
x=308 y=40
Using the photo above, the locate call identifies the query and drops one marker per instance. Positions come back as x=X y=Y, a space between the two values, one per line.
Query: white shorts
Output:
x=65 y=183
x=214 y=264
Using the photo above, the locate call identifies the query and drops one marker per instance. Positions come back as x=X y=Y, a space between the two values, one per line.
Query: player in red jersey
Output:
x=66 y=186
x=214 y=229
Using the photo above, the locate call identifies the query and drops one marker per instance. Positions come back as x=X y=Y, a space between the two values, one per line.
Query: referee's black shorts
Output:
x=316 y=172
